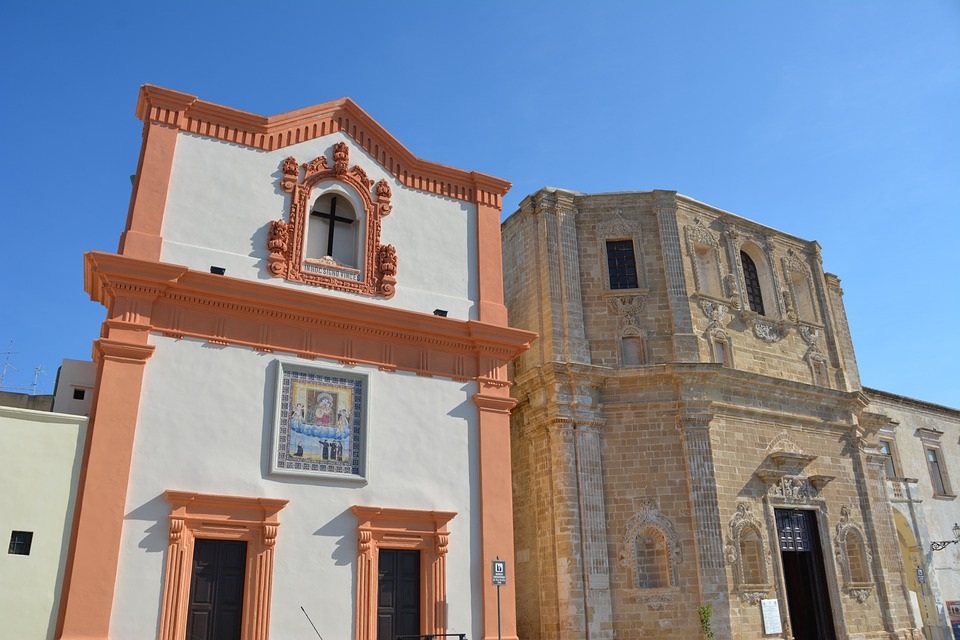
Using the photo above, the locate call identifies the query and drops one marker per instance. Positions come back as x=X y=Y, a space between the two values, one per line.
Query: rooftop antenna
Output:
x=37 y=372
x=6 y=364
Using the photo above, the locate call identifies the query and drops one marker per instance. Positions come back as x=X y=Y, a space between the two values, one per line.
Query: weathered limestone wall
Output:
x=691 y=450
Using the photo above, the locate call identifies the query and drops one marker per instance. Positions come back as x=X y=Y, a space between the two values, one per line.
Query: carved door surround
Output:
x=287 y=240
x=786 y=485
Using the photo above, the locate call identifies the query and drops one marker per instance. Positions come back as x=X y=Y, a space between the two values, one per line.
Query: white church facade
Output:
x=301 y=415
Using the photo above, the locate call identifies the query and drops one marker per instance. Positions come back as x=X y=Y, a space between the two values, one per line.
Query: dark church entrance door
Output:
x=216 y=590
x=398 y=594
x=803 y=572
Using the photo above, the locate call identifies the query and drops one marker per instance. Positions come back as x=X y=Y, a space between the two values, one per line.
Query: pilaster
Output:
x=881 y=534
x=695 y=429
x=685 y=344
x=141 y=238
x=558 y=249
x=90 y=575
x=496 y=508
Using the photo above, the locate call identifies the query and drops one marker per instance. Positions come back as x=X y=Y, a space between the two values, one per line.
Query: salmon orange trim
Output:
x=251 y=520
x=178 y=302
x=190 y=114
x=424 y=531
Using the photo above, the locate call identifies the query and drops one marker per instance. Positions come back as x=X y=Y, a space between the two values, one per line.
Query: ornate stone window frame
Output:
x=213 y=517
x=650 y=517
x=794 y=269
x=619 y=228
x=424 y=531
x=628 y=309
x=287 y=240
x=846 y=528
x=715 y=334
x=774 y=326
x=745 y=520
x=699 y=238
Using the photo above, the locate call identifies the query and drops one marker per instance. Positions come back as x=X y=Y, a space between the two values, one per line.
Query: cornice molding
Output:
x=190 y=114
x=271 y=318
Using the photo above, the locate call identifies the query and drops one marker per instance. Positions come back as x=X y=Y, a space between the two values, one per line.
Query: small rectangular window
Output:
x=720 y=352
x=622 y=264
x=936 y=472
x=20 y=542
x=78 y=394
x=887 y=450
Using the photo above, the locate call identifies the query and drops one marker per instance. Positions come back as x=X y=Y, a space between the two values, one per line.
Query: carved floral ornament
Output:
x=627 y=308
x=286 y=240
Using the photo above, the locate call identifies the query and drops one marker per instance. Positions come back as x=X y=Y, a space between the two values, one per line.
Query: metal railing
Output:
x=433 y=636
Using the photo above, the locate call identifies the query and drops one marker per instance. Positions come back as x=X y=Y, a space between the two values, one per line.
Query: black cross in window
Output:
x=333 y=218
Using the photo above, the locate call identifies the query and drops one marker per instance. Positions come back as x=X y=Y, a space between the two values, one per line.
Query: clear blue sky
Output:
x=834 y=121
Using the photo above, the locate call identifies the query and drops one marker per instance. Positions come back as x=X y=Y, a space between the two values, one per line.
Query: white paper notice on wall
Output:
x=771 y=616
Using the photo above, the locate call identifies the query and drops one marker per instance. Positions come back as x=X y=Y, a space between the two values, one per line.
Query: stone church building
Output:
x=691 y=429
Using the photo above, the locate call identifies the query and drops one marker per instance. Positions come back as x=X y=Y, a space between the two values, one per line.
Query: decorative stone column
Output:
x=695 y=429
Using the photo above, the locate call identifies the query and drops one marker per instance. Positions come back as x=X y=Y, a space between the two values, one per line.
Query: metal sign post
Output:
x=499 y=579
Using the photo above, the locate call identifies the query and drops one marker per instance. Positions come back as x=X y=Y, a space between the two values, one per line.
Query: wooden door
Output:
x=398 y=595
x=216 y=590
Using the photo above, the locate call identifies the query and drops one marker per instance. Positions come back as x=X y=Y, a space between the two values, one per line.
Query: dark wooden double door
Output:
x=808 y=598
x=216 y=590
x=398 y=594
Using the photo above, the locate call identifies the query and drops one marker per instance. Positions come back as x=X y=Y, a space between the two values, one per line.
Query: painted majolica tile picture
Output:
x=320 y=423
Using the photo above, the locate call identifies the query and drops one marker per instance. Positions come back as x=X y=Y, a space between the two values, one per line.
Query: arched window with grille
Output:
x=752 y=280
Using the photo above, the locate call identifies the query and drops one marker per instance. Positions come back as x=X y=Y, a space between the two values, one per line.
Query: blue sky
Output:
x=833 y=121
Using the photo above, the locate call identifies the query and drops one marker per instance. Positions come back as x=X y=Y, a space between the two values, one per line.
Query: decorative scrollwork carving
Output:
x=387 y=262
x=316 y=165
x=362 y=176
x=752 y=597
x=443 y=540
x=341 y=158
x=291 y=174
x=384 y=193
x=364 y=541
x=269 y=535
x=657 y=601
x=861 y=595
x=766 y=331
x=717 y=313
x=176 y=529
x=628 y=308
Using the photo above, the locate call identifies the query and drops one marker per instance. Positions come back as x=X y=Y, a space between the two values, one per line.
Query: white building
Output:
x=286 y=423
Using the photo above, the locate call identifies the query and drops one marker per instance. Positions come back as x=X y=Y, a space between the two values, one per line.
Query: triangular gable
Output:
x=188 y=113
